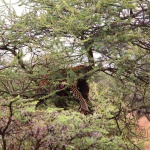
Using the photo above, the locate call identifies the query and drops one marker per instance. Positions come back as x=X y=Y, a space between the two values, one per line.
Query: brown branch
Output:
x=134 y=14
x=3 y=130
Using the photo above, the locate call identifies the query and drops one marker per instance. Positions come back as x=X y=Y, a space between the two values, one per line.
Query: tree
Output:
x=75 y=30
x=110 y=36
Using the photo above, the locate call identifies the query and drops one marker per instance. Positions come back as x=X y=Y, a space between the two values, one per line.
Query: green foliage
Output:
x=56 y=128
x=110 y=36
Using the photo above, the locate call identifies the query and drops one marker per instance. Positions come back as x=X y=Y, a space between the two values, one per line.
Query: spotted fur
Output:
x=79 y=88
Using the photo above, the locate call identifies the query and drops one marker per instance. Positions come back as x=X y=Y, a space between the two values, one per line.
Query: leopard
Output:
x=79 y=87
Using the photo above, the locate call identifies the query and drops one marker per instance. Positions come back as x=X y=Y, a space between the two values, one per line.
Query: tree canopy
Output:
x=110 y=36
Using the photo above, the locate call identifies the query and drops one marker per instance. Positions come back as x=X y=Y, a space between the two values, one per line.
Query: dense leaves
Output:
x=111 y=37
x=22 y=127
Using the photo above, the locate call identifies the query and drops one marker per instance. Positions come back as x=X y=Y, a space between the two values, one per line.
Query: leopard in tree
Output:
x=79 y=87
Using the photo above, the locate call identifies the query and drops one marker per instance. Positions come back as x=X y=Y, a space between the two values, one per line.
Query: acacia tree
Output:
x=117 y=31
x=74 y=32
x=110 y=36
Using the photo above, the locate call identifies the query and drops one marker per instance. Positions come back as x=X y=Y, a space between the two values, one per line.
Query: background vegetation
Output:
x=110 y=36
